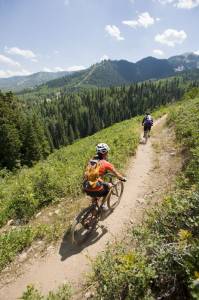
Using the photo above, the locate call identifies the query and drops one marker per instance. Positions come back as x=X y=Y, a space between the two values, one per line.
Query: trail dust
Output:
x=150 y=174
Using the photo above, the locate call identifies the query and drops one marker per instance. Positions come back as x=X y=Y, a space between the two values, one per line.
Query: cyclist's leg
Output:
x=149 y=129
x=145 y=131
x=96 y=195
x=107 y=194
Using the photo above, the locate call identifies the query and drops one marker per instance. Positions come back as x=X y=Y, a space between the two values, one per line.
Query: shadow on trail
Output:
x=68 y=249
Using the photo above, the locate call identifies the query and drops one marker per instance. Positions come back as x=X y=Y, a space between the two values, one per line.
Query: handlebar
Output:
x=110 y=176
x=124 y=179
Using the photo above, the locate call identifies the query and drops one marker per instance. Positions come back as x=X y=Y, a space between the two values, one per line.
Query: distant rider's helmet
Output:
x=148 y=113
x=102 y=148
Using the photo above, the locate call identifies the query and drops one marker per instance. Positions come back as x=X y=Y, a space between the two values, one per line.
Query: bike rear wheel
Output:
x=116 y=195
x=84 y=224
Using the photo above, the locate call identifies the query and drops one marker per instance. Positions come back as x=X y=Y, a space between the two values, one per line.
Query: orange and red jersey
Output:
x=105 y=166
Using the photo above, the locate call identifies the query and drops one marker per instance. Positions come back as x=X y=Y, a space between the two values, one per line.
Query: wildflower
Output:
x=184 y=234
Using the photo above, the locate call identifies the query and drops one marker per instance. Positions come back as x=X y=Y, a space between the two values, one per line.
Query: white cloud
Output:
x=114 y=32
x=104 y=57
x=55 y=69
x=59 y=69
x=165 y=1
x=196 y=52
x=75 y=68
x=158 y=52
x=34 y=60
x=45 y=69
x=9 y=73
x=21 y=52
x=143 y=20
x=8 y=61
x=171 y=37
x=184 y=4
x=187 y=4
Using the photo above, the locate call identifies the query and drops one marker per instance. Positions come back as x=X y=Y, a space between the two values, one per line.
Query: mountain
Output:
x=106 y=73
x=113 y=72
x=117 y=72
x=186 y=61
x=153 y=68
x=17 y=83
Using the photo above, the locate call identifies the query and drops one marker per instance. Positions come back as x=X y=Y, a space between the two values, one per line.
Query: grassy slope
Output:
x=162 y=259
x=60 y=176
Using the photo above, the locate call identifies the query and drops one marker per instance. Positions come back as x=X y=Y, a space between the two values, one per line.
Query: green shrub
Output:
x=63 y=293
x=165 y=247
x=122 y=275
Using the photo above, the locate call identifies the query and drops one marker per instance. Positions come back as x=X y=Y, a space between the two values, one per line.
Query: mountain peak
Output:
x=106 y=73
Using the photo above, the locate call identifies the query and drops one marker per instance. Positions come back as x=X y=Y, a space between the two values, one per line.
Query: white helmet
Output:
x=102 y=148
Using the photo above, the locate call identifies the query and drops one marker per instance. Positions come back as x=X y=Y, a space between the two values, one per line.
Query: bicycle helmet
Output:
x=102 y=148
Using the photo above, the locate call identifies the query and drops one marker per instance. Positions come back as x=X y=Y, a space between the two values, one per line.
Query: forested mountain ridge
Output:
x=106 y=73
x=17 y=83
x=114 y=73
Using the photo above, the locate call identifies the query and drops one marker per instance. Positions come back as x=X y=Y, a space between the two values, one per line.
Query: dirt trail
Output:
x=68 y=263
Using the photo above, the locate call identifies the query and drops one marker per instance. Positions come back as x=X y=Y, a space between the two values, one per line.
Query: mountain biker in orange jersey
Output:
x=102 y=188
x=147 y=122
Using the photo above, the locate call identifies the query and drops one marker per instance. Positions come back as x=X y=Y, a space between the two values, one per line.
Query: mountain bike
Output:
x=86 y=221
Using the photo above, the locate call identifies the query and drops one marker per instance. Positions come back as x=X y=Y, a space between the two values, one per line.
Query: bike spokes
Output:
x=84 y=224
x=115 y=196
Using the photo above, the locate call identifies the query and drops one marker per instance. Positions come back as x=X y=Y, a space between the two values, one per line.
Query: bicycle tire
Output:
x=116 y=195
x=80 y=219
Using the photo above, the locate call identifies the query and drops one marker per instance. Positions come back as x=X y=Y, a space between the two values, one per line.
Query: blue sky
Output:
x=56 y=35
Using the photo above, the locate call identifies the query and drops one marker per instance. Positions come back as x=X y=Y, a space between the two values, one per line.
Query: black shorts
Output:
x=147 y=127
x=103 y=192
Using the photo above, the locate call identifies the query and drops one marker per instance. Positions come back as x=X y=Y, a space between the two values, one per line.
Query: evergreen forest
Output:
x=31 y=130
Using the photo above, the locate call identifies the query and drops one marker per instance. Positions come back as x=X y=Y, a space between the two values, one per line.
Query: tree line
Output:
x=30 y=131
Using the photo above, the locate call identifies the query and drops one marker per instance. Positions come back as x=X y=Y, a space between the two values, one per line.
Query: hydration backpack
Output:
x=91 y=175
x=148 y=121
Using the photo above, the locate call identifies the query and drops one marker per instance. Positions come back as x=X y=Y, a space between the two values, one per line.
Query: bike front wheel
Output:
x=84 y=224
x=116 y=195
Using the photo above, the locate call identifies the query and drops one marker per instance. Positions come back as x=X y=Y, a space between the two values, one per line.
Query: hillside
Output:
x=64 y=258
x=142 y=265
x=103 y=74
x=18 y=83
x=114 y=73
x=32 y=129
x=187 y=61
x=159 y=258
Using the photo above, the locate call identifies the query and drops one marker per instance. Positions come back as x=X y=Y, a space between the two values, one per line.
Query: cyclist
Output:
x=147 y=122
x=93 y=183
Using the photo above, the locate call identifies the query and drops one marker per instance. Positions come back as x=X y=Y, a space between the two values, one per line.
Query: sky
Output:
x=56 y=35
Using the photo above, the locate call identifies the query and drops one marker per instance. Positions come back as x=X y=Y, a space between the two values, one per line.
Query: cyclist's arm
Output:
x=110 y=168
x=117 y=174
x=143 y=120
